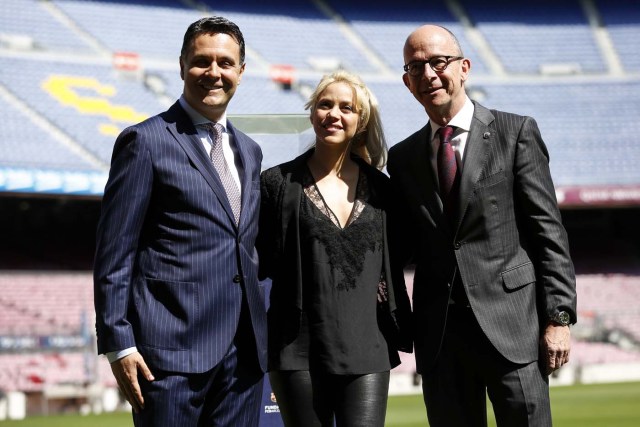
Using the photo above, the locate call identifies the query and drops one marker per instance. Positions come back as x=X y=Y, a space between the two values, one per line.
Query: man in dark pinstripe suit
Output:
x=179 y=310
x=494 y=286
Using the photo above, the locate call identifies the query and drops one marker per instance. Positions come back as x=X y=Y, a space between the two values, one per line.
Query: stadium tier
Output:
x=40 y=150
x=91 y=105
x=537 y=34
x=293 y=33
x=39 y=371
x=385 y=28
x=46 y=304
x=125 y=26
x=608 y=305
x=60 y=71
x=84 y=101
x=47 y=316
x=32 y=25
x=621 y=18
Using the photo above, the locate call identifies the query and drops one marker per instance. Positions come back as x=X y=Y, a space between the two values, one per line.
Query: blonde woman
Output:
x=338 y=300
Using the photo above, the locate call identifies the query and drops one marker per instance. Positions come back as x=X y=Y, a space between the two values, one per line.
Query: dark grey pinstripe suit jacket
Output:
x=507 y=242
x=168 y=249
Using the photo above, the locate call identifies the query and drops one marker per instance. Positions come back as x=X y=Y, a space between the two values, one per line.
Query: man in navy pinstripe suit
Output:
x=494 y=285
x=179 y=310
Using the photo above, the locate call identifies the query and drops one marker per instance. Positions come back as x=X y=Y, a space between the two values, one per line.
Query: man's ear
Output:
x=407 y=82
x=465 y=69
x=241 y=72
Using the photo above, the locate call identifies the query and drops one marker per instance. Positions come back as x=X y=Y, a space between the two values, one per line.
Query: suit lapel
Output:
x=475 y=157
x=290 y=198
x=186 y=135
x=245 y=168
x=421 y=167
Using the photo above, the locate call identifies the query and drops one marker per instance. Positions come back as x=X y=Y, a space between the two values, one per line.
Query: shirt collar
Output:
x=461 y=120
x=197 y=118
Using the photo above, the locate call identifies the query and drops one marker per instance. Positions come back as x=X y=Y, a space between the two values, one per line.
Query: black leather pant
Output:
x=308 y=400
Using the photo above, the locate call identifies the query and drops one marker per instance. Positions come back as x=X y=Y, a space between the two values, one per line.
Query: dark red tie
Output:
x=448 y=175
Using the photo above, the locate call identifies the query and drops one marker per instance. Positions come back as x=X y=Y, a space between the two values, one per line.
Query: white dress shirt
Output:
x=228 y=146
x=462 y=123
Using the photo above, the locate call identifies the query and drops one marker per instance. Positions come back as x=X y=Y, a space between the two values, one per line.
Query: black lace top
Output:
x=341 y=271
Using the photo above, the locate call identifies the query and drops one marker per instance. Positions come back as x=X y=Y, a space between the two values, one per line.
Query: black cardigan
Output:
x=280 y=255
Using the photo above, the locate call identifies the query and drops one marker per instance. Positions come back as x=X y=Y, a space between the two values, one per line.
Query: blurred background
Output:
x=74 y=73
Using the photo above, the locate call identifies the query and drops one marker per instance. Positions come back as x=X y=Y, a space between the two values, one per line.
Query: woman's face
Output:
x=334 y=119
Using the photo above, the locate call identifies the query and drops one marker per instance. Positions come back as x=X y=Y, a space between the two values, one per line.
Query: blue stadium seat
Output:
x=577 y=124
x=292 y=33
x=25 y=145
x=385 y=28
x=622 y=20
x=152 y=29
x=526 y=36
x=87 y=102
x=30 y=18
x=91 y=103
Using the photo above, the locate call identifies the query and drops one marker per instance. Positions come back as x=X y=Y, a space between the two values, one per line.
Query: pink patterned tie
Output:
x=448 y=175
x=220 y=164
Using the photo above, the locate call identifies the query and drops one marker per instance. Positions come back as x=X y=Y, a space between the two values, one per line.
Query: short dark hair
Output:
x=212 y=25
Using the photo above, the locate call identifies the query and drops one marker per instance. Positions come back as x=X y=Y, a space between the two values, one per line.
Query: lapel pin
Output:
x=486 y=135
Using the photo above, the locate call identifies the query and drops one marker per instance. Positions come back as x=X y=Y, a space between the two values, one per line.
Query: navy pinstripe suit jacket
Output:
x=171 y=265
x=507 y=242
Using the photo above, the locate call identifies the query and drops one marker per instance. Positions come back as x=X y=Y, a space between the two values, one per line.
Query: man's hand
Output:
x=555 y=347
x=126 y=372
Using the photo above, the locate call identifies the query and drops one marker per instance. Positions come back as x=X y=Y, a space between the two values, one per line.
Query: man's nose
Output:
x=428 y=71
x=213 y=69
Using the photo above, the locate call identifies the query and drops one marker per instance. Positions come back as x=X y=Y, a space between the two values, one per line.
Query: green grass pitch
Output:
x=596 y=405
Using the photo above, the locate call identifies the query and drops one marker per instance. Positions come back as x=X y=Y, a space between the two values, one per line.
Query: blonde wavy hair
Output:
x=369 y=141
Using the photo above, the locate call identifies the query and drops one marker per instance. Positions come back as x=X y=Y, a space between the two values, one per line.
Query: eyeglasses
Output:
x=437 y=64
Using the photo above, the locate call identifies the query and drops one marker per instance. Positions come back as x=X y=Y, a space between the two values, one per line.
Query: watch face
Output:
x=563 y=318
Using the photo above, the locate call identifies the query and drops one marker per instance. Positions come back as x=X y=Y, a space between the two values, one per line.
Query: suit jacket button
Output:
x=237 y=278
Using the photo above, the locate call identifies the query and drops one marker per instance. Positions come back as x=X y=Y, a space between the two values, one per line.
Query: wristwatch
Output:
x=561 y=318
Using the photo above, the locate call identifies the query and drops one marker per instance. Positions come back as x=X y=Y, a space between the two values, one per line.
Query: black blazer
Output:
x=507 y=243
x=280 y=255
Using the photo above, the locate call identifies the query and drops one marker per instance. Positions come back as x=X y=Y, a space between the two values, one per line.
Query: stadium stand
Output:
x=31 y=303
x=90 y=102
x=587 y=353
x=570 y=118
x=609 y=305
x=45 y=331
x=30 y=25
x=573 y=65
x=111 y=24
x=620 y=18
x=84 y=100
x=40 y=151
x=385 y=29
x=36 y=372
x=549 y=32
x=294 y=33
